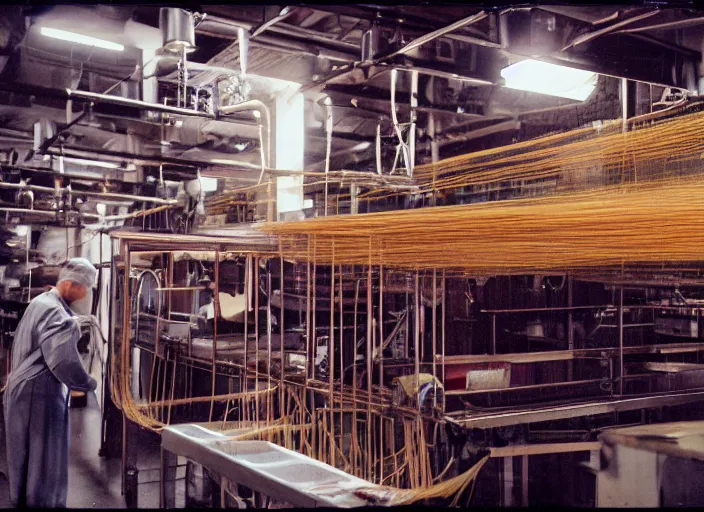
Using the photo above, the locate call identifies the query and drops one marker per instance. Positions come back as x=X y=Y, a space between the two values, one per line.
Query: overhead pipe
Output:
x=127 y=197
x=261 y=152
x=42 y=213
x=80 y=152
x=126 y=102
x=46 y=170
x=32 y=188
x=252 y=105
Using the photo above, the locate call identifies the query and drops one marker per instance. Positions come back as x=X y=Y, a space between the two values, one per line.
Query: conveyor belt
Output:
x=266 y=468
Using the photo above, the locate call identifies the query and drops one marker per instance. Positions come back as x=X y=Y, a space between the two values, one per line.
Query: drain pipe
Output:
x=414 y=116
x=397 y=127
x=262 y=159
x=328 y=146
x=378 y=148
x=265 y=115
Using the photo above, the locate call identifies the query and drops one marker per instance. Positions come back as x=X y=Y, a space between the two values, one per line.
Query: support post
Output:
x=369 y=334
x=331 y=359
x=412 y=133
x=282 y=329
x=269 y=408
x=381 y=365
x=417 y=340
x=508 y=482
x=168 y=466
x=125 y=349
x=354 y=199
x=435 y=322
x=628 y=101
x=256 y=341
x=620 y=340
x=493 y=334
x=247 y=305
x=442 y=337
x=524 y=481
x=570 y=329
x=342 y=365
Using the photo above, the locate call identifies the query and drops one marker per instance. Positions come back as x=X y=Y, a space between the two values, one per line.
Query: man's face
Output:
x=71 y=292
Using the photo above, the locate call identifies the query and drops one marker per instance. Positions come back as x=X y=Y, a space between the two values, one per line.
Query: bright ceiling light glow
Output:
x=544 y=78
x=79 y=38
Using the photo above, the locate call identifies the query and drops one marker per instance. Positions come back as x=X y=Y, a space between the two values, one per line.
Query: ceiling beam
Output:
x=671 y=25
x=607 y=30
x=260 y=29
x=427 y=38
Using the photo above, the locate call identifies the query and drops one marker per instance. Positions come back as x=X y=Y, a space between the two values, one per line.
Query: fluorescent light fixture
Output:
x=80 y=38
x=21 y=231
x=361 y=146
x=220 y=161
x=92 y=163
x=545 y=78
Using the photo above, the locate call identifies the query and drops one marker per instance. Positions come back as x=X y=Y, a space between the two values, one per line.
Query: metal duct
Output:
x=12 y=31
x=291 y=39
x=43 y=130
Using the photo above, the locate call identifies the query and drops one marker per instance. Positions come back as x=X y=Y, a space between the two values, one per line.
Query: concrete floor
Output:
x=95 y=482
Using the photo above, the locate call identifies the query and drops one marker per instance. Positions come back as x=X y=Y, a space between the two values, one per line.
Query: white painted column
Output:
x=148 y=39
x=289 y=143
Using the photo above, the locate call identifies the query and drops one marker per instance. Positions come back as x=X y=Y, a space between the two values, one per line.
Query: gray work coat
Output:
x=45 y=365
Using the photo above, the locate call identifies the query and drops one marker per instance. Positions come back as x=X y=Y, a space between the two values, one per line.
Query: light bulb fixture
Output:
x=81 y=39
x=551 y=79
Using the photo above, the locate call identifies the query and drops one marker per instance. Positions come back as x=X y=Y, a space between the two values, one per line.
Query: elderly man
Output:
x=45 y=365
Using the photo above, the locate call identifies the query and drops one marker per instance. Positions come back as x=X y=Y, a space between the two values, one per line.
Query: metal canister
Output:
x=177 y=29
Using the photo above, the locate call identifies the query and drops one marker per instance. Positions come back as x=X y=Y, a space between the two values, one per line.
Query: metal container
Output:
x=535 y=329
x=489 y=376
x=177 y=29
